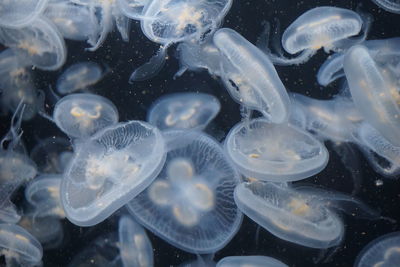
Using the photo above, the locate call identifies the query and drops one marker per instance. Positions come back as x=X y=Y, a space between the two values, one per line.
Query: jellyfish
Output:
x=40 y=42
x=19 y=247
x=82 y=115
x=329 y=120
x=79 y=76
x=250 y=77
x=190 y=204
x=168 y=22
x=133 y=8
x=183 y=111
x=134 y=245
x=304 y=215
x=321 y=27
x=274 y=152
x=381 y=252
x=389 y=5
x=17 y=14
x=51 y=154
x=43 y=193
x=109 y=14
x=74 y=22
x=253 y=261
x=109 y=169
x=375 y=91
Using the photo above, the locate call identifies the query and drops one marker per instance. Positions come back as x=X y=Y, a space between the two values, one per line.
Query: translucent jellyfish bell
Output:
x=79 y=76
x=134 y=245
x=183 y=111
x=383 y=252
x=250 y=77
x=109 y=169
x=274 y=152
x=40 y=42
x=183 y=205
x=82 y=115
x=303 y=216
x=389 y=5
x=19 y=247
x=375 y=91
x=250 y=261
x=16 y=14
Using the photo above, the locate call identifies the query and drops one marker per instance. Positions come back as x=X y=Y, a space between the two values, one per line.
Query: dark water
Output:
x=133 y=101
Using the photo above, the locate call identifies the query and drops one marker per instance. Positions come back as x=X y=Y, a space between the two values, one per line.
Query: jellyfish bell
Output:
x=181 y=205
x=275 y=152
x=17 y=14
x=253 y=261
x=389 y=5
x=183 y=111
x=82 y=115
x=109 y=169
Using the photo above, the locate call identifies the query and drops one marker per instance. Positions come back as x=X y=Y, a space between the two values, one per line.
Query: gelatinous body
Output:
x=109 y=169
x=82 y=115
x=250 y=261
x=250 y=77
x=275 y=152
x=79 y=76
x=16 y=14
x=184 y=111
x=389 y=5
x=381 y=252
x=183 y=204
x=18 y=246
x=375 y=92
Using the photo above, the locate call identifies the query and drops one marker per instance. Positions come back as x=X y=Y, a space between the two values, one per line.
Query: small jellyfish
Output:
x=183 y=205
x=183 y=111
x=375 y=91
x=79 y=76
x=19 y=247
x=250 y=77
x=134 y=245
x=327 y=27
x=40 y=43
x=302 y=215
x=389 y=5
x=331 y=69
x=16 y=14
x=82 y=115
x=50 y=154
x=109 y=169
x=250 y=261
x=381 y=252
x=275 y=152
x=43 y=193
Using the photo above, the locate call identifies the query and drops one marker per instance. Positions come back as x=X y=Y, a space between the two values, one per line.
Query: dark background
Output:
x=133 y=101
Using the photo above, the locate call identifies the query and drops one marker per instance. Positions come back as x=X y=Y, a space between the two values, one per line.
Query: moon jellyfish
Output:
x=19 y=247
x=82 y=115
x=331 y=69
x=109 y=169
x=375 y=91
x=43 y=193
x=190 y=204
x=327 y=27
x=79 y=76
x=250 y=77
x=304 y=216
x=275 y=152
x=49 y=154
x=16 y=14
x=134 y=245
x=381 y=252
x=389 y=5
x=250 y=261
x=183 y=111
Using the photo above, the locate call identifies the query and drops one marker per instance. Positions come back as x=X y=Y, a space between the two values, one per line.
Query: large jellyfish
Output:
x=250 y=261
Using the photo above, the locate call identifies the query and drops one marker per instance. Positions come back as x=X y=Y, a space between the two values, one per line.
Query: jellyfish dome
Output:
x=250 y=261
x=190 y=204
x=275 y=152
x=16 y=14
x=19 y=247
x=109 y=169
x=383 y=252
x=183 y=111
x=82 y=115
